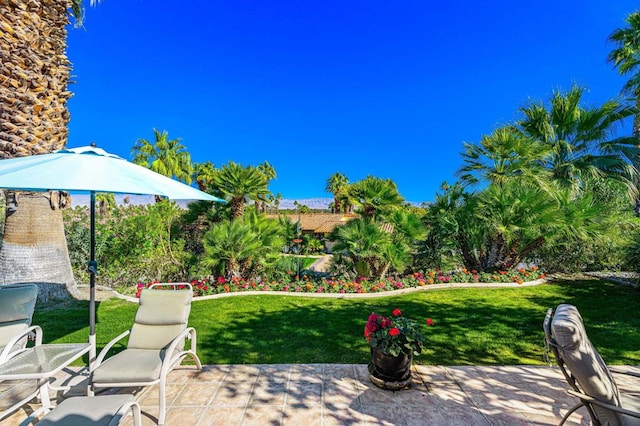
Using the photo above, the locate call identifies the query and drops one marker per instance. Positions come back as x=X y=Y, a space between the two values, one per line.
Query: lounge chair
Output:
x=155 y=346
x=107 y=410
x=17 y=303
x=589 y=377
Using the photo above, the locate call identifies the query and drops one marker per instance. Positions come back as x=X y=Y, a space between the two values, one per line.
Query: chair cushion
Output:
x=85 y=410
x=10 y=330
x=163 y=307
x=584 y=361
x=161 y=316
x=630 y=402
x=17 y=303
x=130 y=366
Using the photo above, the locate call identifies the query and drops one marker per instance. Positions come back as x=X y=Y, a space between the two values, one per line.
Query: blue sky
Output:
x=390 y=89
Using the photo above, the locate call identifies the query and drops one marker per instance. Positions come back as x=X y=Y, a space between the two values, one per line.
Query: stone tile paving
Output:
x=340 y=394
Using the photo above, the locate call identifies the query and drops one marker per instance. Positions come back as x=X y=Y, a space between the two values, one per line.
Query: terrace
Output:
x=339 y=394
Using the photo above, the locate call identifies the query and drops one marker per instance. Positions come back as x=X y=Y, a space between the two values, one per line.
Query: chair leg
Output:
x=162 y=402
x=570 y=412
x=137 y=417
x=196 y=359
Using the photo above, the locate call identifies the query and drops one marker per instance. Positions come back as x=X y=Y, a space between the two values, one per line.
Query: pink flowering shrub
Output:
x=203 y=287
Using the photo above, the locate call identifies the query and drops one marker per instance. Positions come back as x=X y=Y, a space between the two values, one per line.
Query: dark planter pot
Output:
x=390 y=370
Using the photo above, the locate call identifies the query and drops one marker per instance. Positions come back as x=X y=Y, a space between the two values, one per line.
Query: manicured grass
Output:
x=472 y=326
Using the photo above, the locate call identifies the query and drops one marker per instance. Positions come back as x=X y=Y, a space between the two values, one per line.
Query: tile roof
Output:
x=319 y=223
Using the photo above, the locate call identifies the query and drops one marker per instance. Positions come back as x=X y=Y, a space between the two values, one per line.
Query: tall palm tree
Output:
x=582 y=140
x=278 y=198
x=626 y=58
x=336 y=185
x=240 y=184
x=203 y=174
x=165 y=156
x=34 y=116
x=269 y=173
x=105 y=202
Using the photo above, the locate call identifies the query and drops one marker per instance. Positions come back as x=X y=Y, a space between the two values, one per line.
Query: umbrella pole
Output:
x=93 y=270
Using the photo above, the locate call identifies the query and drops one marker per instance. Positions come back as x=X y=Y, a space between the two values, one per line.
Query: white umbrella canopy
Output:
x=89 y=169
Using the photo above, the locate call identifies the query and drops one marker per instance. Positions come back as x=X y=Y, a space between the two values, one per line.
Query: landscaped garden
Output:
x=472 y=326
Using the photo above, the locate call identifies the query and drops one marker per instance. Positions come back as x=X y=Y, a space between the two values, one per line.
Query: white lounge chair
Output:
x=589 y=377
x=155 y=346
x=17 y=303
x=107 y=410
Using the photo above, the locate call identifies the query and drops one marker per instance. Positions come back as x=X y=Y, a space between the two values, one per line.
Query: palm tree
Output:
x=626 y=58
x=503 y=155
x=374 y=196
x=33 y=99
x=243 y=248
x=336 y=185
x=365 y=243
x=203 y=174
x=581 y=140
x=269 y=173
x=240 y=184
x=165 y=156
x=227 y=245
x=277 y=201
x=407 y=230
x=105 y=201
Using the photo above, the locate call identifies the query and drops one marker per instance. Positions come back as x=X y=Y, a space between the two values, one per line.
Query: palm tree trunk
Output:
x=233 y=268
x=33 y=120
x=34 y=248
x=237 y=208
x=468 y=259
x=636 y=132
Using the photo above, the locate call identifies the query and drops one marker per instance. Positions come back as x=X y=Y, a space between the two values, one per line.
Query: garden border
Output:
x=398 y=292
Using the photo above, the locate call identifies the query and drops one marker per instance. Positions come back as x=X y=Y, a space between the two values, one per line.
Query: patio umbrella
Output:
x=89 y=169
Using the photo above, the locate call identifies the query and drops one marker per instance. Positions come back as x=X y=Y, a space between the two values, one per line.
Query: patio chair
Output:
x=589 y=377
x=17 y=303
x=155 y=347
x=107 y=410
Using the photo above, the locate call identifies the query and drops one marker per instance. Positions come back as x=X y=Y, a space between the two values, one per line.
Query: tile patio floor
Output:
x=339 y=394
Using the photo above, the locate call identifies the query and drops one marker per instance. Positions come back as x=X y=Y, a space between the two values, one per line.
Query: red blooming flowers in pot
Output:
x=393 y=343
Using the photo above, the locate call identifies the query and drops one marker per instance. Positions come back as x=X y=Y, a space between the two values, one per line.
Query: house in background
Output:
x=319 y=225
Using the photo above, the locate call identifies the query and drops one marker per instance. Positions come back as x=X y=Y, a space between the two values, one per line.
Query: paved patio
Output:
x=339 y=394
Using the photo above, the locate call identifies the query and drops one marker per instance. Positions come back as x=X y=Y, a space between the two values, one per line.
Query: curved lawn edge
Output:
x=398 y=292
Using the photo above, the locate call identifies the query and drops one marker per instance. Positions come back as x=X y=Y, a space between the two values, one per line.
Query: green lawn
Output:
x=472 y=326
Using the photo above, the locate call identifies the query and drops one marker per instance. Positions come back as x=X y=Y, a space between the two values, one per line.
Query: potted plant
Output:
x=393 y=341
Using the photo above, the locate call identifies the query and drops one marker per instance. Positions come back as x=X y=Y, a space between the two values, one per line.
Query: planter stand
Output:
x=386 y=383
x=390 y=372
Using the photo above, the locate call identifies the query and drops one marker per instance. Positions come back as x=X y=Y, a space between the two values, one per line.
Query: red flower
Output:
x=394 y=332
x=385 y=323
x=397 y=312
x=429 y=322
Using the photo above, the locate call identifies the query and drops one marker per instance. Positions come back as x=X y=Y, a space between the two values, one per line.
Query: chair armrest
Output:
x=8 y=352
x=36 y=414
x=135 y=411
x=586 y=398
x=106 y=349
x=167 y=363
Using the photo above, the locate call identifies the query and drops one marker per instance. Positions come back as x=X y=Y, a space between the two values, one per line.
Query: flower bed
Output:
x=203 y=287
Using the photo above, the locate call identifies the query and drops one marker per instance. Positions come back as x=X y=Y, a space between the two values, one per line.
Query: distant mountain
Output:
x=312 y=203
